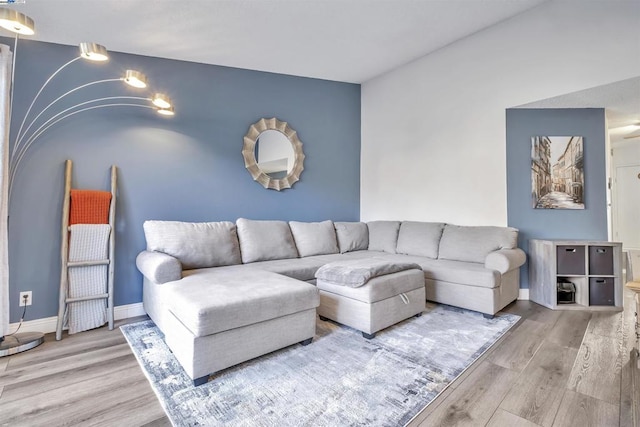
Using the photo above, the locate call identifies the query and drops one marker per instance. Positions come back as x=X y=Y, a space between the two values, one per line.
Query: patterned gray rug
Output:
x=341 y=379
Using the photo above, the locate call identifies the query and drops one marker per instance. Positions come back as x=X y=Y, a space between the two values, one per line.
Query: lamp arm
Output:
x=46 y=125
x=40 y=91
x=40 y=131
x=19 y=140
x=18 y=154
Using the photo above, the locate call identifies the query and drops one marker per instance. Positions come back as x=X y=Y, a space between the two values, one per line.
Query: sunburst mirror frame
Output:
x=249 y=154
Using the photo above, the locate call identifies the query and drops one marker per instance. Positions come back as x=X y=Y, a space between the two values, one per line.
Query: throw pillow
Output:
x=195 y=244
x=265 y=240
x=420 y=238
x=314 y=238
x=352 y=236
x=474 y=243
x=383 y=236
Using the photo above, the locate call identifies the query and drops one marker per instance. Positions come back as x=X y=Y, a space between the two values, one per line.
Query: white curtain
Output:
x=5 y=118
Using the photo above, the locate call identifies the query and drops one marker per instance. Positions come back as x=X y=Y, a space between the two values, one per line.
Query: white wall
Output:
x=433 y=131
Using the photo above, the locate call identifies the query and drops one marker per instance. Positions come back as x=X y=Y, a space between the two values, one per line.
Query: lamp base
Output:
x=18 y=343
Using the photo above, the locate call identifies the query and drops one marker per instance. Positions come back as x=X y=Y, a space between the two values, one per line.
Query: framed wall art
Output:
x=557 y=172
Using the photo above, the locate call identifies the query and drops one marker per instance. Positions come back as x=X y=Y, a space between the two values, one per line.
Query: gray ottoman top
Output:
x=211 y=301
x=356 y=273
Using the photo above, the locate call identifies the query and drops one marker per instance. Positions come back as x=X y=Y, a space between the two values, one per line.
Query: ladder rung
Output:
x=69 y=227
x=88 y=263
x=87 y=298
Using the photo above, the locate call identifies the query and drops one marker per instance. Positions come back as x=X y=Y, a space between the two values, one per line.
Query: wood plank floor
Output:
x=555 y=368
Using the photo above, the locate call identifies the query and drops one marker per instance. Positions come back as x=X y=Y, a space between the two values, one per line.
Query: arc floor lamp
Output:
x=35 y=123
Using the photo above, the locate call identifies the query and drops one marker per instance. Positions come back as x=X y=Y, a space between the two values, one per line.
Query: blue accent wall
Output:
x=187 y=168
x=590 y=223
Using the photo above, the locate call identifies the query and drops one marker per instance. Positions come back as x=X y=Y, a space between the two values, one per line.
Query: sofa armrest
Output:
x=159 y=267
x=504 y=260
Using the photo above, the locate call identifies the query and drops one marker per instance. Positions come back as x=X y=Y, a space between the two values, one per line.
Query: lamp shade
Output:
x=161 y=100
x=93 y=52
x=16 y=22
x=135 y=78
x=166 y=111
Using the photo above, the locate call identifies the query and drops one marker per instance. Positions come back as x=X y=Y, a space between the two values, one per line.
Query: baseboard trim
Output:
x=48 y=324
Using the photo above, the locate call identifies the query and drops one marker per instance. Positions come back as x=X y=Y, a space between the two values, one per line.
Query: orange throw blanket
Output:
x=89 y=207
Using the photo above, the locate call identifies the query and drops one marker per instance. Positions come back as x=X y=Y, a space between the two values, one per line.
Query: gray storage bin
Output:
x=601 y=260
x=601 y=291
x=570 y=260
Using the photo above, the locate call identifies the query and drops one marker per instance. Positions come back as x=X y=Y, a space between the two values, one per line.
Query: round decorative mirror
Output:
x=273 y=154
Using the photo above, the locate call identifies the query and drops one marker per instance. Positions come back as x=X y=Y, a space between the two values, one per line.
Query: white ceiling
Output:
x=621 y=100
x=343 y=40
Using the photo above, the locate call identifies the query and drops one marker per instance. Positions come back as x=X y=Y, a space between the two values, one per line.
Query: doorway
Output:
x=625 y=191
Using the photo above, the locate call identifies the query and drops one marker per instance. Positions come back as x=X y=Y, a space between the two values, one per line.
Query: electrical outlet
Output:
x=25 y=298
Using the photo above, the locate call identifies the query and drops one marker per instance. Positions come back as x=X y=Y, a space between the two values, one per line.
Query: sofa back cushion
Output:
x=265 y=240
x=314 y=238
x=383 y=235
x=419 y=238
x=195 y=244
x=352 y=236
x=473 y=244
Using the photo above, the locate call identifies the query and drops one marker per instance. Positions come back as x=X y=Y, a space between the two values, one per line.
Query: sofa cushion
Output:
x=419 y=238
x=325 y=259
x=208 y=301
x=265 y=240
x=296 y=268
x=352 y=236
x=305 y=268
x=461 y=272
x=383 y=235
x=473 y=244
x=314 y=238
x=194 y=244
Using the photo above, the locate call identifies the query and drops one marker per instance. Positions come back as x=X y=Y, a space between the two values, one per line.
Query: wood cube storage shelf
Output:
x=595 y=268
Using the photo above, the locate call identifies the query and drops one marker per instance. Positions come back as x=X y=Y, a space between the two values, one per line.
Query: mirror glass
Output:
x=274 y=154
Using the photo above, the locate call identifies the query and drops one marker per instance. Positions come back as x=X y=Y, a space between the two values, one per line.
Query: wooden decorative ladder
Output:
x=64 y=299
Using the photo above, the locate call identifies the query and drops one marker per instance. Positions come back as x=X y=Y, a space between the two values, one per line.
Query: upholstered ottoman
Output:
x=221 y=317
x=370 y=294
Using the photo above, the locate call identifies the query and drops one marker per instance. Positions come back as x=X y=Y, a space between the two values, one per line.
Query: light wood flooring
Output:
x=555 y=368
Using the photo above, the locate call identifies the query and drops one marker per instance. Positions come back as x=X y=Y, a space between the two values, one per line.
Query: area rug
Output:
x=340 y=379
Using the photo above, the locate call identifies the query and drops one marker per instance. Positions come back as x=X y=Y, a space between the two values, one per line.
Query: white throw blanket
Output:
x=88 y=242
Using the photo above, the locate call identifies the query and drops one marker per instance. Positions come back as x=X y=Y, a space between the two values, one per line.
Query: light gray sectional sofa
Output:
x=223 y=293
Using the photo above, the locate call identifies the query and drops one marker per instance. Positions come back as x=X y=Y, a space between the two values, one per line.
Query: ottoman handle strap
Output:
x=405 y=299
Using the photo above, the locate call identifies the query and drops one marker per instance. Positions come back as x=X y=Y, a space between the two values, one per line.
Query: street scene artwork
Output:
x=557 y=172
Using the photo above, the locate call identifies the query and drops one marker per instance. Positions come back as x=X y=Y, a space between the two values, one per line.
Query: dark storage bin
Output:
x=570 y=260
x=601 y=260
x=601 y=291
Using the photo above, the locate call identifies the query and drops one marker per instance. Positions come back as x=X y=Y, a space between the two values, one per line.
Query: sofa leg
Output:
x=369 y=336
x=200 y=381
x=419 y=314
x=307 y=341
x=488 y=316
x=324 y=319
